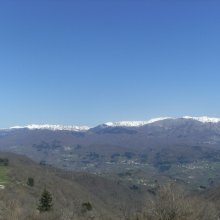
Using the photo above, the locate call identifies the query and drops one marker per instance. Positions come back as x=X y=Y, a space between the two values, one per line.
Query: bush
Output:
x=4 y=161
x=86 y=206
x=30 y=181
x=172 y=204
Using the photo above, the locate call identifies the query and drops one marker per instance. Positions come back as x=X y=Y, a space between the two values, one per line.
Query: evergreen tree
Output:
x=45 y=203
x=30 y=181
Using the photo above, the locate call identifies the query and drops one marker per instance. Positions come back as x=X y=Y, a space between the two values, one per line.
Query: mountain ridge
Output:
x=77 y=128
x=171 y=146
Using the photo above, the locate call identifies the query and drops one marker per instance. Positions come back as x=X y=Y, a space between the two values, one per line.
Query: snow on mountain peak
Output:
x=203 y=119
x=134 y=123
x=53 y=127
x=157 y=119
x=125 y=123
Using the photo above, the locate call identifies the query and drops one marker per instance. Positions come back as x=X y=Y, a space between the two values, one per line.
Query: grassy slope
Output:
x=108 y=198
x=4 y=175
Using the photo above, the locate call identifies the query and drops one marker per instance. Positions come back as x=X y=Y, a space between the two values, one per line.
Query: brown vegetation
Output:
x=172 y=203
x=80 y=196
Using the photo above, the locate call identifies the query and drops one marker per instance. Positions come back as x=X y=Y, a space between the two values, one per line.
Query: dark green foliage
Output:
x=4 y=161
x=134 y=187
x=45 y=203
x=86 y=206
x=202 y=187
x=30 y=181
x=127 y=173
x=152 y=191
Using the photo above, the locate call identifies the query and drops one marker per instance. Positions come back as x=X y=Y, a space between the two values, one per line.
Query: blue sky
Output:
x=88 y=62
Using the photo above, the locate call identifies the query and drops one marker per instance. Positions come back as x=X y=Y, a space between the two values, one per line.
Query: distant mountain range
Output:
x=160 y=145
x=203 y=119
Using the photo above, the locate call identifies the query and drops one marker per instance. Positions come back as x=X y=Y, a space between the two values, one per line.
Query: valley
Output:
x=142 y=154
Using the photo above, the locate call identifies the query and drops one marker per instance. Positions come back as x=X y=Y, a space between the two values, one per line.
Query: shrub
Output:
x=4 y=161
x=172 y=204
x=30 y=181
x=86 y=206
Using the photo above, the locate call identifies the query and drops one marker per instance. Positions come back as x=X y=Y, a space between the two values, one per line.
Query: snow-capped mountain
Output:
x=175 y=139
x=134 y=123
x=53 y=127
x=202 y=119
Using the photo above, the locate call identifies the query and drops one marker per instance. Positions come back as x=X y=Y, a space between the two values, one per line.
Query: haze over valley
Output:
x=183 y=149
x=109 y=110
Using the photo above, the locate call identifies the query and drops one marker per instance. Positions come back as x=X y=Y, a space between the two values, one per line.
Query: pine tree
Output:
x=30 y=181
x=45 y=202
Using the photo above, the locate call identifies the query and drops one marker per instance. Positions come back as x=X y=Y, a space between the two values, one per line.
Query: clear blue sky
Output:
x=87 y=62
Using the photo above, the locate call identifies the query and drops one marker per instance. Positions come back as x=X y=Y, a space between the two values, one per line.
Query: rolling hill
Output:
x=183 y=149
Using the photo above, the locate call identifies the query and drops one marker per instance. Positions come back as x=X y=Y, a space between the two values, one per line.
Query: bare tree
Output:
x=171 y=203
